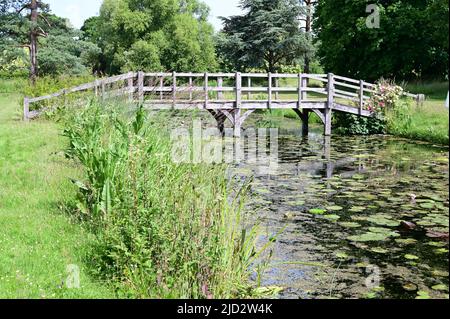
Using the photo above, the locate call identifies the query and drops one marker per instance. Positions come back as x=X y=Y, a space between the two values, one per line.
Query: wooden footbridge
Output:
x=232 y=97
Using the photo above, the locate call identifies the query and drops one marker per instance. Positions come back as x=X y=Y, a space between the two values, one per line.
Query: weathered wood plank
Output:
x=238 y=89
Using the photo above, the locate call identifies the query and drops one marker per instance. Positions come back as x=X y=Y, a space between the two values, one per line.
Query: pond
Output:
x=353 y=217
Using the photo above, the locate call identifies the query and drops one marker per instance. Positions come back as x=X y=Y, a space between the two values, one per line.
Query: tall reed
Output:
x=164 y=230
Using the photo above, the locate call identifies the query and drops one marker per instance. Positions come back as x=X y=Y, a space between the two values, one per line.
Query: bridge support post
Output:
x=329 y=105
x=237 y=123
x=304 y=116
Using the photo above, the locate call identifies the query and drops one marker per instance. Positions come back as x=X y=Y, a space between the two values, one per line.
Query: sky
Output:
x=79 y=10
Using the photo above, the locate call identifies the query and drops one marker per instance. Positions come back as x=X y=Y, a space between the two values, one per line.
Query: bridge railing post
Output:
x=206 y=90
x=130 y=86
x=329 y=104
x=141 y=87
x=237 y=111
x=361 y=96
x=174 y=89
x=270 y=89
x=238 y=90
x=300 y=90
x=26 y=108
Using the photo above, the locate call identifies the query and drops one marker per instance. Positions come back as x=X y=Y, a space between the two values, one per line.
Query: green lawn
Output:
x=37 y=240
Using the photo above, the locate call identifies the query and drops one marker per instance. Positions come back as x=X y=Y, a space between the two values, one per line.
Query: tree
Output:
x=267 y=36
x=411 y=42
x=60 y=48
x=35 y=23
x=307 y=18
x=153 y=35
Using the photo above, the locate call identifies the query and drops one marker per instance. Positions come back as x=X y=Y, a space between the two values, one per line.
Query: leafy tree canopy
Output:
x=411 y=42
x=153 y=35
x=267 y=36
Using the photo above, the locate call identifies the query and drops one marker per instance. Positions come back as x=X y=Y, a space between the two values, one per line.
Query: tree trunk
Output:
x=33 y=41
x=308 y=32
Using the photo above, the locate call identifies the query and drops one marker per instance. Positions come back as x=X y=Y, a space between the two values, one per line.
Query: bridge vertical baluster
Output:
x=237 y=110
x=141 y=86
x=206 y=90
x=174 y=89
x=220 y=86
x=26 y=108
x=305 y=85
x=276 y=86
x=270 y=89
x=300 y=85
x=103 y=90
x=329 y=104
x=130 y=86
x=361 y=96
x=161 y=87
x=249 y=85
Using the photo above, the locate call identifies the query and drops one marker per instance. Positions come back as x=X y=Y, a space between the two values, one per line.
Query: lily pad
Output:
x=370 y=236
x=334 y=208
x=332 y=217
x=383 y=221
x=440 y=287
x=357 y=209
x=407 y=241
x=317 y=211
x=350 y=224
x=410 y=287
x=341 y=255
x=379 y=250
x=411 y=257
x=421 y=294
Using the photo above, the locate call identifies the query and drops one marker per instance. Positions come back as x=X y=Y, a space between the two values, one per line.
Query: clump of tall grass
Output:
x=164 y=230
x=425 y=124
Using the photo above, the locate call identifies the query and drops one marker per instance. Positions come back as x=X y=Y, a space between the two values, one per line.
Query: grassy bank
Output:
x=164 y=230
x=428 y=122
x=37 y=240
x=116 y=205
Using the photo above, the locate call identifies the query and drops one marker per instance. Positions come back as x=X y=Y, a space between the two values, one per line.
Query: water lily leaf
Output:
x=410 y=287
x=341 y=255
x=427 y=205
x=357 y=209
x=370 y=236
x=407 y=241
x=350 y=224
x=382 y=221
x=289 y=215
x=270 y=290
x=439 y=273
x=440 y=287
x=441 y=251
x=379 y=250
x=317 y=211
x=332 y=217
x=421 y=294
x=334 y=208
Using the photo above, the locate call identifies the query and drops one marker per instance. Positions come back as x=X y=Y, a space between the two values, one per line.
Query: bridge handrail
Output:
x=170 y=94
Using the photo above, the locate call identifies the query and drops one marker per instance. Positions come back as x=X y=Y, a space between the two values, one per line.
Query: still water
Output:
x=353 y=217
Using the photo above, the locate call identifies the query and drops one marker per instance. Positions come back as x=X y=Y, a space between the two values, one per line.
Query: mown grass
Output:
x=37 y=240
